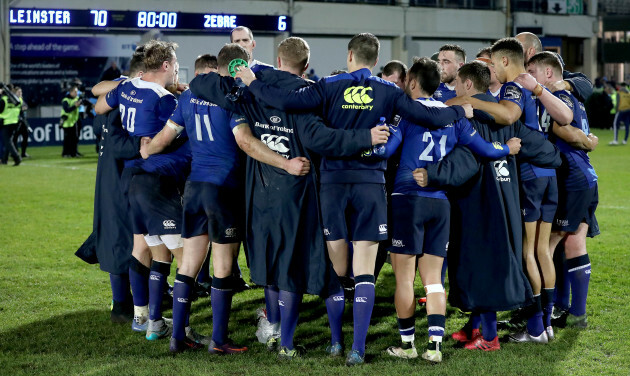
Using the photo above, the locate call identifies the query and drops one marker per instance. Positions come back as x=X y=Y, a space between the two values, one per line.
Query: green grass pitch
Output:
x=54 y=308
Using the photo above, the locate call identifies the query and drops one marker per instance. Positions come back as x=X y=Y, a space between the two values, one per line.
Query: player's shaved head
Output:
x=509 y=47
x=206 y=61
x=365 y=48
x=427 y=73
x=478 y=73
x=547 y=59
x=529 y=40
x=294 y=52
x=230 y=52
x=157 y=52
x=459 y=52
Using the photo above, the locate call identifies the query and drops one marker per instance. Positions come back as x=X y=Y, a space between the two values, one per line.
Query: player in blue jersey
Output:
x=213 y=201
x=428 y=232
x=145 y=105
x=450 y=57
x=244 y=37
x=354 y=187
x=539 y=194
x=578 y=197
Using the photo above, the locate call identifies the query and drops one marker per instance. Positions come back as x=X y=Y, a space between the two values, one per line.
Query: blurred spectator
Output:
x=312 y=76
x=23 y=127
x=622 y=113
x=599 y=104
x=9 y=115
x=111 y=73
x=69 y=119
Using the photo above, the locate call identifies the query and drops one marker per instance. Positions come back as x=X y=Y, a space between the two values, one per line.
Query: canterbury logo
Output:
x=275 y=142
x=169 y=224
x=360 y=299
x=358 y=98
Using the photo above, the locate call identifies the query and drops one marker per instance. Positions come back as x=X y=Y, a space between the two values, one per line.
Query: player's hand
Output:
x=380 y=134
x=527 y=81
x=559 y=85
x=181 y=87
x=468 y=110
x=421 y=177
x=298 y=166
x=457 y=101
x=144 y=141
x=514 y=144
x=594 y=141
x=245 y=74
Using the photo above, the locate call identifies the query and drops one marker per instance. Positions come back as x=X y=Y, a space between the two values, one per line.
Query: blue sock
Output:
x=407 y=328
x=362 y=309
x=271 y=302
x=475 y=320
x=139 y=281
x=489 y=325
x=444 y=268
x=221 y=300
x=120 y=287
x=289 y=303
x=181 y=307
x=157 y=283
x=436 y=327
x=579 y=275
x=204 y=272
x=335 y=305
x=563 y=285
x=535 y=320
x=547 y=305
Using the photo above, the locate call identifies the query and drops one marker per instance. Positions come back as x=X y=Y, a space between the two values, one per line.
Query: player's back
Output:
x=144 y=106
x=578 y=173
x=444 y=93
x=215 y=154
x=422 y=146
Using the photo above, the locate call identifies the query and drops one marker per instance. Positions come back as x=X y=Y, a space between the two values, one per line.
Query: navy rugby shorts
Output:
x=214 y=210
x=539 y=199
x=575 y=207
x=420 y=225
x=156 y=205
x=354 y=211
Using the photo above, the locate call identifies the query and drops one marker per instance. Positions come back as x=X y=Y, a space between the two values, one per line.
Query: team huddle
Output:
x=479 y=169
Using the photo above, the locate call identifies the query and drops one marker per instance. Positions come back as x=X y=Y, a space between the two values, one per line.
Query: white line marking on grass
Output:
x=614 y=207
x=59 y=166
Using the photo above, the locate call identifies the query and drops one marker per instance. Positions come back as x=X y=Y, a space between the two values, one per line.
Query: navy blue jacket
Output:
x=486 y=244
x=355 y=100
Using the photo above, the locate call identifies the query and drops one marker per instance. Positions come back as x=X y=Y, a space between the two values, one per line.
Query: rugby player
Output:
x=485 y=260
x=485 y=55
x=395 y=71
x=428 y=232
x=354 y=186
x=145 y=105
x=578 y=197
x=450 y=57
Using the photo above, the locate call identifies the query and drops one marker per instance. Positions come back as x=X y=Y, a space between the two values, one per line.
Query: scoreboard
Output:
x=34 y=19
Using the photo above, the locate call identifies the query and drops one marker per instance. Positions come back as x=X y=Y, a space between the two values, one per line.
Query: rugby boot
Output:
x=177 y=346
x=407 y=350
x=434 y=352
x=227 y=348
x=482 y=344
x=526 y=337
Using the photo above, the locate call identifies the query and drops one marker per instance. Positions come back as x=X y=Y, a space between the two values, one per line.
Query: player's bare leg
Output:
x=404 y=266
x=338 y=253
x=529 y=256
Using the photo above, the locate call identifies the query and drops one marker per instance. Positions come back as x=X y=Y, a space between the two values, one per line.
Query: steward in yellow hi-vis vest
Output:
x=69 y=118
x=10 y=107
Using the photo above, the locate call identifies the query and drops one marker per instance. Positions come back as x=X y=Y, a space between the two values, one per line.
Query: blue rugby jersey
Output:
x=215 y=154
x=422 y=146
x=444 y=93
x=144 y=109
x=527 y=101
x=355 y=100
x=579 y=174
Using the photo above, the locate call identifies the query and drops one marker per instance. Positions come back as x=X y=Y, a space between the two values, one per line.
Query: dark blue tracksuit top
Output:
x=350 y=101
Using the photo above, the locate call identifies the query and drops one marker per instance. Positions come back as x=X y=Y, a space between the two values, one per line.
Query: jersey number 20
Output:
x=131 y=117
